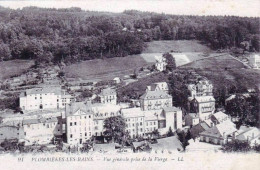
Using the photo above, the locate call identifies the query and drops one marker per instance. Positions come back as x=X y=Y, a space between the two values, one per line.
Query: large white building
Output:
x=202 y=88
x=79 y=123
x=143 y=123
x=41 y=131
x=44 y=98
x=153 y=100
x=160 y=63
x=108 y=96
x=254 y=61
x=203 y=106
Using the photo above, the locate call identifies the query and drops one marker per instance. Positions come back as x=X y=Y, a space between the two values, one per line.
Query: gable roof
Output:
x=220 y=116
x=202 y=99
x=155 y=95
x=132 y=112
x=197 y=129
x=108 y=91
x=226 y=127
x=248 y=133
x=72 y=108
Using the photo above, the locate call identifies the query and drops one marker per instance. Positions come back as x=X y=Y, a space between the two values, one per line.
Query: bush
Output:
x=236 y=146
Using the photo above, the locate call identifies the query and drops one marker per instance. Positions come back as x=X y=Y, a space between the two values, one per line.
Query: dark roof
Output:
x=197 y=129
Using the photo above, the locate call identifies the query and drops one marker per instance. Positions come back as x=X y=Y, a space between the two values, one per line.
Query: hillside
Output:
x=14 y=67
x=176 y=46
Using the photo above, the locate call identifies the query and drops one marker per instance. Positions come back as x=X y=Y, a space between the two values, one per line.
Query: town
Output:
x=50 y=116
x=77 y=81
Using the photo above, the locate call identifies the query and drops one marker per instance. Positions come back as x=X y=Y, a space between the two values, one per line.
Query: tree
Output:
x=170 y=60
x=115 y=128
x=182 y=136
x=236 y=146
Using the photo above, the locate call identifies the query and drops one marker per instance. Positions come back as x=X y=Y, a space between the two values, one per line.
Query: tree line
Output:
x=70 y=35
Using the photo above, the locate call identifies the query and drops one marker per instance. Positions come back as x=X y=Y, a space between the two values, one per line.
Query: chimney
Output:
x=211 y=124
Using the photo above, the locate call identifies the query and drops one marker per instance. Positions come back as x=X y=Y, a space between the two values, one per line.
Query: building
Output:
x=254 y=61
x=153 y=100
x=9 y=132
x=160 y=86
x=44 y=98
x=135 y=121
x=41 y=131
x=108 y=96
x=79 y=123
x=191 y=119
x=202 y=87
x=219 y=117
x=101 y=112
x=204 y=106
x=144 y=123
x=198 y=128
x=160 y=63
x=249 y=134
x=220 y=133
x=171 y=117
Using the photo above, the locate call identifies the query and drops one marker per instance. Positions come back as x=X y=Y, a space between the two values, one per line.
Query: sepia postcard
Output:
x=130 y=84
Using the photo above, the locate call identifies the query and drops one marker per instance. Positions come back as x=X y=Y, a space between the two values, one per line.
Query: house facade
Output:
x=44 y=98
x=153 y=100
x=254 y=61
x=79 y=123
x=108 y=96
x=204 y=106
x=160 y=63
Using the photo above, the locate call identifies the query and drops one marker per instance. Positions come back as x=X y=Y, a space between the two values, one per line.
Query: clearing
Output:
x=176 y=46
x=14 y=67
x=94 y=70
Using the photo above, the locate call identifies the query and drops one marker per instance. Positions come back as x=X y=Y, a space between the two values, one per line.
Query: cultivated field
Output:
x=14 y=67
x=176 y=46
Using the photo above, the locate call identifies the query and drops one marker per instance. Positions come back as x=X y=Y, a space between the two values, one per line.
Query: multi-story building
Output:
x=204 y=106
x=144 y=123
x=79 y=123
x=135 y=121
x=101 y=112
x=160 y=63
x=44 y=98
x=254 y=61
x=202 y=88
x=160 y=86
x=153 y=100
x=41 y=131
x=108 y=96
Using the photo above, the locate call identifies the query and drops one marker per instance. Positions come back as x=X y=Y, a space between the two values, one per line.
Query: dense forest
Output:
x=70 y=35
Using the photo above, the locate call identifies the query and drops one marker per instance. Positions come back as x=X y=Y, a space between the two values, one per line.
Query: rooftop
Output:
x=132 y=112
x=226 y=127
x=202 y=99
x=41 y=120
x=72 y=108
x=108 y=91
x=171 y=109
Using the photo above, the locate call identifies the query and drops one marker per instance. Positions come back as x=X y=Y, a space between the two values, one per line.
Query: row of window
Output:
x=80 y=117
x=86 y=134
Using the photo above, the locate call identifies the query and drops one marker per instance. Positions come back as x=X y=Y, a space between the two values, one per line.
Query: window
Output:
x=35 y=98
x=70 y=123
x=141 y=123
x=71 y=136
x=89 y=116
x=89 y=133
x=75 y=123
x=85 y=134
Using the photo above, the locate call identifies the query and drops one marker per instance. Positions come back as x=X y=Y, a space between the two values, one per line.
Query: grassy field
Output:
x=14 y=67
x=106 y=69
x=224 y=70
x=176 y=46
